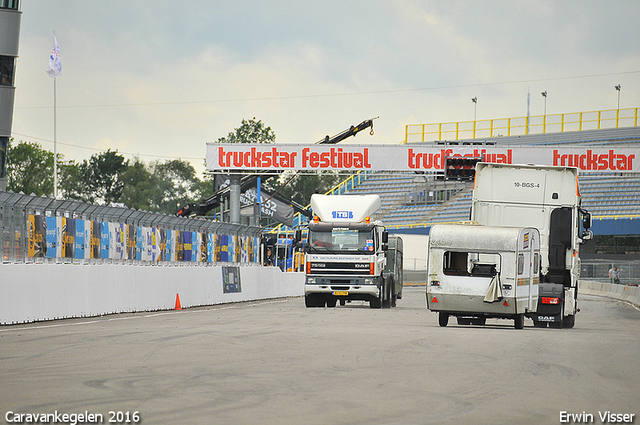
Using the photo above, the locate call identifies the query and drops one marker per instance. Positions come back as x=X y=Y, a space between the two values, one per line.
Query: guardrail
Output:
x=518 y=126
x=45 y=230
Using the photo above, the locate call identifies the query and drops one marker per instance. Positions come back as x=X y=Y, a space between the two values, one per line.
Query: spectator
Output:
x=610 y=274
x=269 y=259
x=615 y=275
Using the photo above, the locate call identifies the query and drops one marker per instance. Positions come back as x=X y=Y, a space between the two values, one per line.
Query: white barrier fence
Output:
x=38 y=292
x=619 y=292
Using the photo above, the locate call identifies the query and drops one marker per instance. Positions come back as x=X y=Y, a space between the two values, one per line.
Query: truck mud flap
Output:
x=542 y=320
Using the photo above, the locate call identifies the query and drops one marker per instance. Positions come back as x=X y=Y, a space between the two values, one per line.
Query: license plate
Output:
x=340 y=293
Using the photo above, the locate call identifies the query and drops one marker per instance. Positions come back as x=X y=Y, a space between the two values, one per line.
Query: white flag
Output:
x=55 y=63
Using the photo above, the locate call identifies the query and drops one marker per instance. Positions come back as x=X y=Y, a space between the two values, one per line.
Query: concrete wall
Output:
x=36 y=292
x=415 y=250
x=619 y=292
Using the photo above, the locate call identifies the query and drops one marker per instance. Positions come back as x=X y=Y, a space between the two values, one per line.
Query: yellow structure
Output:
x=519 y=126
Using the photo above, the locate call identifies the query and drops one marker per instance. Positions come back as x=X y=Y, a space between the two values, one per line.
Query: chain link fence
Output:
x=39 y=229
x=598 y=270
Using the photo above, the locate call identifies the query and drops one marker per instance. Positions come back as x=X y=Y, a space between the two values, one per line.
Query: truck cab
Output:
x=346 y=253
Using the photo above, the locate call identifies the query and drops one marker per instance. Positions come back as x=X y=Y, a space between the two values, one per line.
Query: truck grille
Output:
x=340 y=268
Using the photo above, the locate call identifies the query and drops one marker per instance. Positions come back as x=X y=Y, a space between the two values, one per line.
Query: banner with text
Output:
x=410 y=157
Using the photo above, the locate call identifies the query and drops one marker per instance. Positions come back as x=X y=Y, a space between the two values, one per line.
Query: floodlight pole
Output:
x=544 y=116
x=618 y=87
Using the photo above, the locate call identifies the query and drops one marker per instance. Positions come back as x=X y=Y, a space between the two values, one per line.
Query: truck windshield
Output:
x=341 y=240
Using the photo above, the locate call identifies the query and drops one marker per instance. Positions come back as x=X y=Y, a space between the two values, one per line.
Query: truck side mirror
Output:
x=586 y=220
x=385 y=237
x=298 y=235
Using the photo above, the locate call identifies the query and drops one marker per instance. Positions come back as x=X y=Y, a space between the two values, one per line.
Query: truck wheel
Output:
x=313 y=300
x=331 y=302
x=388 y=291
x=518 y=321
x=379 y=301
x=392 y=293
x=443 y=319
x=309 y=301
x=569 y=321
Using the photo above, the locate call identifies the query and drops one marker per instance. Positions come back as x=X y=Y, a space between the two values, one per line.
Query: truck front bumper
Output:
x=347 y=287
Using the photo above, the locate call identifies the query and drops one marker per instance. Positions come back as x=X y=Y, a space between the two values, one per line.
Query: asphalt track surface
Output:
x=277 y=362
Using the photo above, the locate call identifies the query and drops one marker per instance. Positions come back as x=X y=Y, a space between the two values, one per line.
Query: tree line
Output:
x=106 y=178
x=158 y=186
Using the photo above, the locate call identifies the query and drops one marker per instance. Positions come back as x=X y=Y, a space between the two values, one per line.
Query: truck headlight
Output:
x=311 y=280
x=368 y=281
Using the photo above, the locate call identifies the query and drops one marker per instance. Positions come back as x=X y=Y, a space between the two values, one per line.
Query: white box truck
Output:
x=477 y=272
x=548 y=199
x=346 y=254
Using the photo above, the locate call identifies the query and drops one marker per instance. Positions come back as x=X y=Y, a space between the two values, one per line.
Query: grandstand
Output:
x=412 y=202
x=410 y=199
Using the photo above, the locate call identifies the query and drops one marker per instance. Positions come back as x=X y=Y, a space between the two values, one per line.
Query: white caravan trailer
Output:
x=475 y=272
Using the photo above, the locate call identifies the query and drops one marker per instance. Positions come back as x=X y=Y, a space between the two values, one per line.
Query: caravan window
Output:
x=520 y=263
x=471 y=264
x=456 y=263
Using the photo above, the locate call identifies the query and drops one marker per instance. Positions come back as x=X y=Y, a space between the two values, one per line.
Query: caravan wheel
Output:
x=518 y=321
x=443 y=319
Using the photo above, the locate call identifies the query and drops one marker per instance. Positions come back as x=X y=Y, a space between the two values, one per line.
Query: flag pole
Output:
x=55 y=68
x=55 y=151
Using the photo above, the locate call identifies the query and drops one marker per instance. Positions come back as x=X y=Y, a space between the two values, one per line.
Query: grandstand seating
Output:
x=610 y=193
x=406 y=201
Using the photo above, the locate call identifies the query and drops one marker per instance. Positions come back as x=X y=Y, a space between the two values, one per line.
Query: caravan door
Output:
x=528 y=270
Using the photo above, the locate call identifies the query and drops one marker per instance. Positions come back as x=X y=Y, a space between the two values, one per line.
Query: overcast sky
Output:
x=159 y=79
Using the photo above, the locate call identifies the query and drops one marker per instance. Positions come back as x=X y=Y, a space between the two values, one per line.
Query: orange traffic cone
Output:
x=178 y=306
